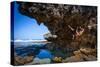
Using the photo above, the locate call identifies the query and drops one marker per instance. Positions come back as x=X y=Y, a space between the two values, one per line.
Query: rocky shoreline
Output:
x=83 y=54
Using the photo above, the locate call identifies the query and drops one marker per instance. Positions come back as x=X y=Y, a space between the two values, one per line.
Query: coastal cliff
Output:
x=71 y=27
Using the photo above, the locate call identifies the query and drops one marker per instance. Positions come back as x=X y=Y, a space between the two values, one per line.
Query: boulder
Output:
x=23 y=60
x=57 y=59
x=84 y=54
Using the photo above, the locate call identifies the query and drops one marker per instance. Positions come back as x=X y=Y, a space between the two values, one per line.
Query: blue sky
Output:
x=27 y=28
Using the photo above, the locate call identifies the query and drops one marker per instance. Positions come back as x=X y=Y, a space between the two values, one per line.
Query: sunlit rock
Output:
x=49 y=35
x=57 y=59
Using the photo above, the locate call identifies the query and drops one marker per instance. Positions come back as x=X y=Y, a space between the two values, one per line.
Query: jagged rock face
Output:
x=60 y=19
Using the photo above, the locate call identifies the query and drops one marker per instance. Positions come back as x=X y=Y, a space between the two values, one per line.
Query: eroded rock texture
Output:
x=74 y=25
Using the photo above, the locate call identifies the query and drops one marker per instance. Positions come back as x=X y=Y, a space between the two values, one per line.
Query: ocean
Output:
x=37 y=49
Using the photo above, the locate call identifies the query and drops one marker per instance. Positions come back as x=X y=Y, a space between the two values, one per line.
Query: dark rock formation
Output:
x=83 y=54
x=69 y=22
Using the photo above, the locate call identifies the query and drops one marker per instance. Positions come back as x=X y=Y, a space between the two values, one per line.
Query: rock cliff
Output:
x=74 y=25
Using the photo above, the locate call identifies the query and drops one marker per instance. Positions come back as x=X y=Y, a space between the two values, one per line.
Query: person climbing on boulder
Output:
x=76 y=33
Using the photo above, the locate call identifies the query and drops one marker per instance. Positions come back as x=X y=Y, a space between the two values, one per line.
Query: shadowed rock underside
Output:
x=75 y=26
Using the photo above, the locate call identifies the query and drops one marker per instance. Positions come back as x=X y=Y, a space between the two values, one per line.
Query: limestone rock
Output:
x=50 y=36
x=58 y=17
